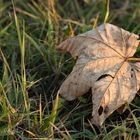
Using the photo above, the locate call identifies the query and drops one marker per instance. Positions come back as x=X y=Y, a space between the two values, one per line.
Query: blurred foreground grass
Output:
x=31 y=70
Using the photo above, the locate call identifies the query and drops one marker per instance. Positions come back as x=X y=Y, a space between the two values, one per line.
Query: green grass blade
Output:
x=107 y=11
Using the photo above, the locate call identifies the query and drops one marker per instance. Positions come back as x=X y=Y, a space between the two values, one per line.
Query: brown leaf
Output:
x=103 y=66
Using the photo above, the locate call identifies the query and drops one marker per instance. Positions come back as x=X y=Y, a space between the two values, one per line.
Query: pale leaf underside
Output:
x=102 y=65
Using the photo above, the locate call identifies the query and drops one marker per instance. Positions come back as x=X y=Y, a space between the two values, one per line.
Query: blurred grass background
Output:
x=31 y=70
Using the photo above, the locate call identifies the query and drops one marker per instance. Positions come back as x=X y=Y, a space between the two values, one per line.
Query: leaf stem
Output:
x=133 y=59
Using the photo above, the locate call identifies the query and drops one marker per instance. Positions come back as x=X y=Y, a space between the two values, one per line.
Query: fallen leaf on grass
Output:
x=105 y=65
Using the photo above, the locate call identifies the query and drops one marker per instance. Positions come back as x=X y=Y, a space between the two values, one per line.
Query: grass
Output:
x=32 y=71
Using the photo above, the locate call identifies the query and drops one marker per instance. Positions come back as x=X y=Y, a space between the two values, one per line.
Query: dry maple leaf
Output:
x=104 y=64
